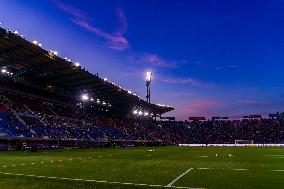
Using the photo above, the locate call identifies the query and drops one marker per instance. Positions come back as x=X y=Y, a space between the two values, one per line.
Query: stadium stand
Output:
x=41 y=107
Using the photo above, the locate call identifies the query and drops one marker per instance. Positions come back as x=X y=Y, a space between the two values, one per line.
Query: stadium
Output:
x=62 y=126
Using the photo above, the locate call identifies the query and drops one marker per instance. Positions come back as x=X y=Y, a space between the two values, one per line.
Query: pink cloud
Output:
x=201 y=107
x=181 y=94
x=157 y=61
x=70 y=10
x=114 y=40
x=185 y=81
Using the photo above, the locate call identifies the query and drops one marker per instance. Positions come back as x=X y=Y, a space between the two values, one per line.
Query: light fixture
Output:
x=76 y=64
x=148 y=76
x=85 y=97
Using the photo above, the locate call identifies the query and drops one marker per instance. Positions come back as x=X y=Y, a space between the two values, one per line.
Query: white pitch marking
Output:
x=274 y=155
x=51 y=161
x=77 y=179
x=4 y=166
x=14 y=165
x=70 y=159
x=40 y=176
x=279 y=170
x=239 y=169
x=52 y=177
x=64 y=178
x=90 y=180
x=203 y=168
x=176 y=179
x=102 y=181
x=23 y=164
x=100 y=156
x=60 y=160
x=203 y=156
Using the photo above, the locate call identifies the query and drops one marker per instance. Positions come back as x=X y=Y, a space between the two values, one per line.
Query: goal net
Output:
x=243 y=142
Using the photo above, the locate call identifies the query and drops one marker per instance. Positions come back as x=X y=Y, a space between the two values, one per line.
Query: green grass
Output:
x=141 y=166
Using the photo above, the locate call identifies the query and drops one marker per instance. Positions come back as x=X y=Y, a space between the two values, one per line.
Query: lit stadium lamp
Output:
x=129 y=92
x=135 y=112
x=92 y=99
x=3 y=70
x=148 y=76
x=55 y=52
x=85 y=97
x=146 y=113
x=76 y=64
x=140 y=113
x=104 y=103
x=39 y=44
x=105 y=79
x=22 y=35
x=98 y=101
x=35 y=42
x=16 y=32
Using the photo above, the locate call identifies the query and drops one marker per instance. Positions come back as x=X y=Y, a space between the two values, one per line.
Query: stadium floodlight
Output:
x=76 y=64
x=55 y=52
x=148 y=82
x=92 y=99
x=85 y=97
x=39 y=44
x=104 y=103
x=146 y=113
x=140 y=113
x=22 y=35
x=135 y=112
x=105 y=79
x=148 y=76
x=3 y=70
x=129 y=92
x=35 y=42
x=16 y=32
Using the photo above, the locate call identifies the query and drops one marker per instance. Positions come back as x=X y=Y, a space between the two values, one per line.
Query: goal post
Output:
x=244 y=142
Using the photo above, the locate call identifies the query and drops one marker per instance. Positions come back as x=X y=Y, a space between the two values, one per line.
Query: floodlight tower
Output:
x=148 y=82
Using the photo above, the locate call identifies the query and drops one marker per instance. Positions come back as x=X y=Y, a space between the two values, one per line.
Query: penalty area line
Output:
x=177 y=178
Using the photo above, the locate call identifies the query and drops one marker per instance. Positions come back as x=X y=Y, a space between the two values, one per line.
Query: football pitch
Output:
x=162 y=167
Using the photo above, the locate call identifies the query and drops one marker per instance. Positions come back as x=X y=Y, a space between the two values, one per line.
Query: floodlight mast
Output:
x=148 y=82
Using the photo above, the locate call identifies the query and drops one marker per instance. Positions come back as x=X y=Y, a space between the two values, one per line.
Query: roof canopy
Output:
x=28 y=60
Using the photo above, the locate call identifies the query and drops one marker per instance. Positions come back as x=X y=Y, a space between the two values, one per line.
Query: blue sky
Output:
x=211 y=58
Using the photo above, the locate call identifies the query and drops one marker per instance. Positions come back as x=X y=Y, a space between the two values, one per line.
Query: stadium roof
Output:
x=27 y=59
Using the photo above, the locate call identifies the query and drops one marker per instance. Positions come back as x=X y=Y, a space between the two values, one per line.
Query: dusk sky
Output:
x=210 y=58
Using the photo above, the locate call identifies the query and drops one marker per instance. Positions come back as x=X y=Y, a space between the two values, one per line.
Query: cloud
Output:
x=200 y=107
x=114 y=40
x=70 y=10
x=155 y=60
x=185 y=81
x=181 y=94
